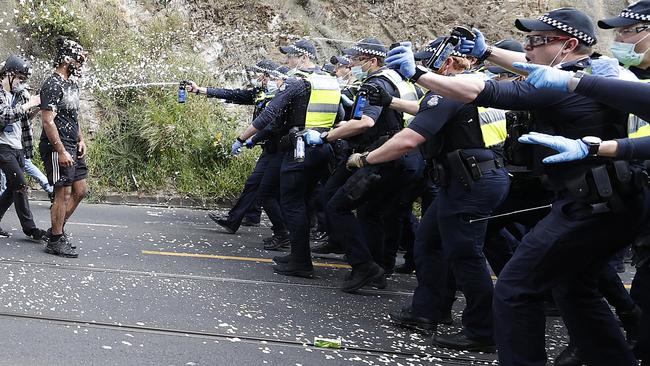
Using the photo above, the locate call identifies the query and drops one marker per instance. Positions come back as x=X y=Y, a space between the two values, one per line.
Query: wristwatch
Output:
x=593 y=144
x=486 y=54
x=323 y=136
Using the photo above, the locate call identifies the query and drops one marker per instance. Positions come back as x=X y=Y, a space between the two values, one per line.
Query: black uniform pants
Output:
x=362 y=236
x=297 y=182
x=564 y=252
x=248 y=203
x=12 y=163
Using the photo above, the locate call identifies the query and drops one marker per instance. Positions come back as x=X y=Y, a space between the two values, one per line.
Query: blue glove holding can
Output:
x=313 y=138
x=401 y=59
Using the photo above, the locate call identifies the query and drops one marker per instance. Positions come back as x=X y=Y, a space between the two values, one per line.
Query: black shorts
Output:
x=59 y=176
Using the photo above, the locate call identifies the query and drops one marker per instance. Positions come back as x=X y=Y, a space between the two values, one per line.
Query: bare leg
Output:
x=58 y=210
x=79 y=191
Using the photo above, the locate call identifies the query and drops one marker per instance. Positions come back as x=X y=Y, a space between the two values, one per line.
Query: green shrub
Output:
x=146 y=140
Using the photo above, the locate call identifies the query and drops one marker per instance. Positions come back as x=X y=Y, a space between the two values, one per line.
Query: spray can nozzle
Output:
x=182 y=91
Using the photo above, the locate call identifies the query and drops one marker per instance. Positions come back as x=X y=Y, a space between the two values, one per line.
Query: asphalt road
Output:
x=165 y=286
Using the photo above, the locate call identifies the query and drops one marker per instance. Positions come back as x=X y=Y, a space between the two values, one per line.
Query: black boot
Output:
x=277 y=242
x=406 y=318
x=362 y=275
x=569 y=356
x=327 y=248
x=223 y=222
x=631 y=320
x=459 y=341
x=296 y=269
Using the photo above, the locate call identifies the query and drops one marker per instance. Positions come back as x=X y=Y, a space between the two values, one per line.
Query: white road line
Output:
x=92 y=224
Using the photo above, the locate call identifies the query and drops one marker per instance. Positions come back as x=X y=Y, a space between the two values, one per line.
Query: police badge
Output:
x=433 y=101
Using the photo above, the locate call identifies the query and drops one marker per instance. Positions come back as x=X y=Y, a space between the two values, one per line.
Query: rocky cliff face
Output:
x=239 y=31
x=232 y=33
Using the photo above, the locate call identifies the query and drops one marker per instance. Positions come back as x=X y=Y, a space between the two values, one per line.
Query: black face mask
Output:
x=74 y=70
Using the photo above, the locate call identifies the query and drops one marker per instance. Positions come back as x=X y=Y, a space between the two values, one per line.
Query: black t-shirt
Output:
x=447 y=125
x=62 y=97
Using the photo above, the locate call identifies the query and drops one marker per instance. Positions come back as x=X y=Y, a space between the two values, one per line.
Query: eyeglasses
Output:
x=536 y=40
x=635 y=30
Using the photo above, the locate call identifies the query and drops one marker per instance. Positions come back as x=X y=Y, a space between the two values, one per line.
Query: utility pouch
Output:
x=288 y=141
x=602 y=182
x=578 y=187
x=623 y=171
x=517 y=124
x=359 y=183
x=459 y=171
x=438 y=174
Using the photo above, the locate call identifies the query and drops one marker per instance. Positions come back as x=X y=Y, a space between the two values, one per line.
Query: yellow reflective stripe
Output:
x=493 y=126
x=637 y=127
x=325 y=97
x=323 y=101
x=494 y=133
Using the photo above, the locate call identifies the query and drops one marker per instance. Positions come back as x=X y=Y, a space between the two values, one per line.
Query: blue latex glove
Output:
x=401 y=59
x=542 y=76
x=312 y=137
x=569 y=150
x=475 y=48
x=250 y=144
x=235 y=149
x=605 y=67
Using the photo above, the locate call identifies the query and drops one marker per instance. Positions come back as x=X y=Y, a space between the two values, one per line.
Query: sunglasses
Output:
x=635 y=30
x=536 y=40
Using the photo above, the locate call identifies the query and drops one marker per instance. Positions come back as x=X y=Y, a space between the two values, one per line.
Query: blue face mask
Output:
x=358 y=73
x=625 y=53
x=271 y=87
x=256 y=83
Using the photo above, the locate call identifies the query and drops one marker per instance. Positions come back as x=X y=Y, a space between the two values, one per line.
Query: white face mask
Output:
x=271 y=87
x=557 y=54
x=625 y=53
x=256 y=83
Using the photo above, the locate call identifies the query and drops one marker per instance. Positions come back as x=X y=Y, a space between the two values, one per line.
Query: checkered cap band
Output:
x=453 y=53
x=568 y=29
x=268 y=71
x=302 y=50
x=637 y=16
x=368 y=51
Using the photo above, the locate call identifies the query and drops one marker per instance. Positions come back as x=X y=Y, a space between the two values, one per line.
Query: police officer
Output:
x=246 y=206
x=627 y=96
x=306 y=105
x=365 y=189
x=473 y=182
x=587 y=223
x=631 y=47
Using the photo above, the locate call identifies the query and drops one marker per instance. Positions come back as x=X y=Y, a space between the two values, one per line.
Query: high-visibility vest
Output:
x=405 y=88
x=493 y=126
x=637 y=127
x=324 y=99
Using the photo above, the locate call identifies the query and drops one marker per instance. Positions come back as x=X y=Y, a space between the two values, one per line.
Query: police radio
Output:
x=444 y=49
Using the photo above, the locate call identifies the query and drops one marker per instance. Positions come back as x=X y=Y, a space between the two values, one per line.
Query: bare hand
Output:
x=65 y=159
x=81 y=149
x=192 y=87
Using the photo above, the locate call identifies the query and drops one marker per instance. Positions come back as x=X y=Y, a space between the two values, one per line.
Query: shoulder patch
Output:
x=283 y=87
x=434 y=100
